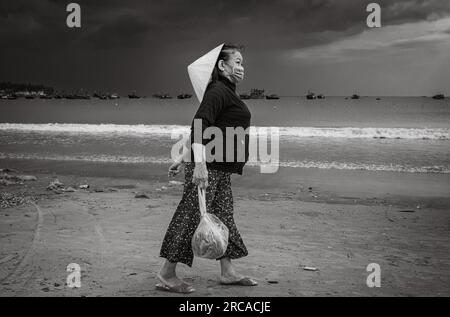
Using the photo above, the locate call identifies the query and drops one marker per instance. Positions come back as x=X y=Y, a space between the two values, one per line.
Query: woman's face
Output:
x=233 y=68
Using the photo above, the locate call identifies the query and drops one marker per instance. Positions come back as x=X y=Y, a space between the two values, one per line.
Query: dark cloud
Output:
x=123 y=31
x=130 y=35
x=284 y=23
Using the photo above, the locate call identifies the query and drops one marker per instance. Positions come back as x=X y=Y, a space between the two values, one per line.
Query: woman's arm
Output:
x=210 y=107
x=185 y=155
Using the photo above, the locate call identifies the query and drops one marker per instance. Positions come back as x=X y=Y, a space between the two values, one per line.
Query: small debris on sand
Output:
x=55 y=184
x=310 y=268
x=27 y=178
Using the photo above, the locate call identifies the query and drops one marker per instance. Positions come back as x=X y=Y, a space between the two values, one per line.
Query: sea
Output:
x=393 y=134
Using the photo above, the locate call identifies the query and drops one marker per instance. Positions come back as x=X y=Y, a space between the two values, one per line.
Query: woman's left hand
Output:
x=175 y=168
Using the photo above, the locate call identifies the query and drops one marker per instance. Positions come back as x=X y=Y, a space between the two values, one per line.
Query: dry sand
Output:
x=115 y=237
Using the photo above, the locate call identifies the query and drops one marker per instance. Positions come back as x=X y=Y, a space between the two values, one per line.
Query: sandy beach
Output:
x=313 y=222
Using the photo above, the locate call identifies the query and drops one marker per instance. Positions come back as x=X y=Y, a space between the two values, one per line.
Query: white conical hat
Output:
x=200 y=71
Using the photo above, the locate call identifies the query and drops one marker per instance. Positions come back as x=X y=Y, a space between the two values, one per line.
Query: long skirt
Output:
x=176 y=246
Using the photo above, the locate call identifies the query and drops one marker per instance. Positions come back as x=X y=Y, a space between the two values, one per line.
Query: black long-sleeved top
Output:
x=221 y=107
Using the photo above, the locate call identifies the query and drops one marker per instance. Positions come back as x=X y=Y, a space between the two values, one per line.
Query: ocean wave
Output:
x=287 y=133
x=96 y=158
x=99 y=158
x=364 y=167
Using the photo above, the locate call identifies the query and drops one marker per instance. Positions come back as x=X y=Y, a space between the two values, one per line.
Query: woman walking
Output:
x=220 y=108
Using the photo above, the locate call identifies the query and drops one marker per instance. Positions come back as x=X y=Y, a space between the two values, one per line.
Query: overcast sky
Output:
x=290 y=45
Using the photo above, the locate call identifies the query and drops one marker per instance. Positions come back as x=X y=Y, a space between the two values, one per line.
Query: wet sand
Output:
x=337 y=222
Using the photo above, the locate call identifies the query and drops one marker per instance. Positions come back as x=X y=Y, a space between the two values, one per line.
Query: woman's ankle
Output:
x=168 y=270
x=226 y=267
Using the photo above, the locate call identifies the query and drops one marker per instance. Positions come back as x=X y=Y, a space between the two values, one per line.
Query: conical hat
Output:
x=200 y=71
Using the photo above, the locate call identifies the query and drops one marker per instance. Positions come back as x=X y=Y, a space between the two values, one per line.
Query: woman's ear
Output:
x=220 y=65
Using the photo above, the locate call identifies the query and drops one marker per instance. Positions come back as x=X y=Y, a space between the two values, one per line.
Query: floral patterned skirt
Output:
x=176 y=246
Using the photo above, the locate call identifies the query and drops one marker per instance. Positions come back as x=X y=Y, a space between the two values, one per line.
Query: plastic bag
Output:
x=210 y=239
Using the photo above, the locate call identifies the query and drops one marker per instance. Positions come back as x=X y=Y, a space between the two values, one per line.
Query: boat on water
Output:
x=257 y=93
x=134 y=96
x=355 y=96
x=162 y=96
x=184 y=96
x=320 y=96
x=113 y=96
x=244 y=96
x=101 y=96
x=438 y=97
x=310 y=95
x=272 y=96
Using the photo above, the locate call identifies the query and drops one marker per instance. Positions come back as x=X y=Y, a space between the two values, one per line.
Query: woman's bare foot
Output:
x=168 y=275
x=170 y=280
x=230 y=276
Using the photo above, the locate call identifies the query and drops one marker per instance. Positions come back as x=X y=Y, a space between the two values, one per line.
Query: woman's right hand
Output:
x=200 y=176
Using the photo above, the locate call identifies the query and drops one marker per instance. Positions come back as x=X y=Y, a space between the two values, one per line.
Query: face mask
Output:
x=236 y=71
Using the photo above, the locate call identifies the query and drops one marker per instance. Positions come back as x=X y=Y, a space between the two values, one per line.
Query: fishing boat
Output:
x=310 y=95
x=113 y=96
x=165 y=96
x=438 y=97
x=321 y=96
x=134 y=96
x=272 y=96
x=355 y=96
x=184 y=96
x=257 y=93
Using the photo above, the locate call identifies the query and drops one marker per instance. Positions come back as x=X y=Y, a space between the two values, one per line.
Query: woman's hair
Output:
x=227 y=50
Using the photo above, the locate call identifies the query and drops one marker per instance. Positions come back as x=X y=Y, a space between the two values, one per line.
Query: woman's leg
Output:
x=222 y=207
x=168 y=273
x=176 y=246
x=227 y=270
